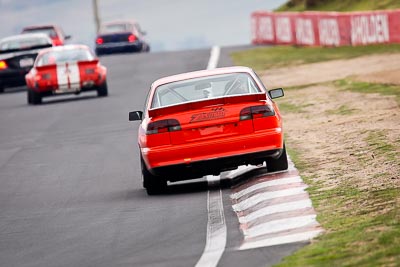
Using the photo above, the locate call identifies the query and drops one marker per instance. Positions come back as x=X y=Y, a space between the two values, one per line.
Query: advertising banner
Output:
x=326 y=28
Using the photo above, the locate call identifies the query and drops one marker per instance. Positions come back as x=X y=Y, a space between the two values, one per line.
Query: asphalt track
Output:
x=70 y=185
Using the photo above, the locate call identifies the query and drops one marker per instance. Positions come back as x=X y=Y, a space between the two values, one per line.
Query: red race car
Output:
x=53 y=31
x=206 y=122
x=65 y=70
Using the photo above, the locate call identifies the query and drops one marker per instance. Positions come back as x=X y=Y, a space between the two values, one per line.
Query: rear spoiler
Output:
x=88 y=62
x=80 y=63
x=207 y=102
x=46 y=67
x=114 y=34
x=26 y=49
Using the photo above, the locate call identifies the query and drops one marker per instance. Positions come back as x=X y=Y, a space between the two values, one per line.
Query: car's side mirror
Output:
x=135 y=116
x=275 y=93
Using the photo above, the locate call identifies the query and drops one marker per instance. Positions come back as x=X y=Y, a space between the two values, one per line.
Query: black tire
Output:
x=154 y=184
x=278 y=164
x=34 y=97
x=1 y=89
x=29 y=97
x=102 y=91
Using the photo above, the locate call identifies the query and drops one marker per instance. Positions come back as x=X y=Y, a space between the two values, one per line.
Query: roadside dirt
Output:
x=350 y=138
x=375 y=68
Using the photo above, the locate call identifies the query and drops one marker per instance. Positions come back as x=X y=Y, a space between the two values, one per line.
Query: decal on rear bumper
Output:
x=215 y=113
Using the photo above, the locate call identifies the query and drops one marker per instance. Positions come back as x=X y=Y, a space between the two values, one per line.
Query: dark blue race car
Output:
x=120 y=37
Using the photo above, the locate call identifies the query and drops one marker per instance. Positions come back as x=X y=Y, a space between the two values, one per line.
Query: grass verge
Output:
x=263 y=58
x=369 y=88
x=362 y=225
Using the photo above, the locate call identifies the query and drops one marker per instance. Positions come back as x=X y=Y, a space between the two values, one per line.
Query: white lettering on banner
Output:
x=266 y=29
x=283 y=30
x=329 y=32
x=304 y=32
x=369 y=29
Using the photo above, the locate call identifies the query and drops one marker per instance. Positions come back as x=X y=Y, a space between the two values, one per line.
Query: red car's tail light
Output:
x=3 y=65
x=262 y=111
x=256 y=112
x=99 y=41
x=245 y=114
x=131 y=38
x=57 y=42
x=163 y=126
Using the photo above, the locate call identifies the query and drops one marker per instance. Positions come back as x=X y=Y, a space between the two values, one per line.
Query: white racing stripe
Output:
x=68 y=76
x=216 y=227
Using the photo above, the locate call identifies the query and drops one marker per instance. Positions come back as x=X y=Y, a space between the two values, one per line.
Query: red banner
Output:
x=326 y=28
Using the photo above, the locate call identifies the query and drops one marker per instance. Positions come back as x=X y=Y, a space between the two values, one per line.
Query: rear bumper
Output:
x=193 y=160
x=199 y=169
x=10 y=78
x=120 y=47
x=53 y=91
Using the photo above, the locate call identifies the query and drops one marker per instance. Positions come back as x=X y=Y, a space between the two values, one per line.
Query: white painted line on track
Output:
x=254 y=200
x=216 y=231
x=280 y=240
x=284 y=207
x=216 y=226
x=214 y=57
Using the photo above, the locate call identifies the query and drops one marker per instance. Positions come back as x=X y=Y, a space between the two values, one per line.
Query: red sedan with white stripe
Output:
x=69 y=69
x=206 y=122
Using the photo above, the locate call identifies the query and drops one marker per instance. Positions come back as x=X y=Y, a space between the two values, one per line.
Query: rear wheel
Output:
x=153 y=184
x=29 y=97
x=34 y=97
x=103 y=89
x=278 y=164
x=1 y=89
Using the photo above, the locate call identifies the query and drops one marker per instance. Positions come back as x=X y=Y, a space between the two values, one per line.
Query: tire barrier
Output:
x=314 y=28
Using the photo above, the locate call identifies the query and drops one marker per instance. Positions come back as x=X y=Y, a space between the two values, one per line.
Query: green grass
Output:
x=339 y=5
x=292 y=108
x=263 y=58
x=369 y=88
x=342 y=110
x=296 y=157
x=377 y=141
x=362 y=226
